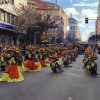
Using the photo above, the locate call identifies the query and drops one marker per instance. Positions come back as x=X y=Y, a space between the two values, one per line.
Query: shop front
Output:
x=8 y=34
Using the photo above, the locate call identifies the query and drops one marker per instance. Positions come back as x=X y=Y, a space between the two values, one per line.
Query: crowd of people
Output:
x=14 y=60
x=17 y=59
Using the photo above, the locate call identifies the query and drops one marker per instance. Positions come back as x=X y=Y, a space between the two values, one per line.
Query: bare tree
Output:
x=34 y=21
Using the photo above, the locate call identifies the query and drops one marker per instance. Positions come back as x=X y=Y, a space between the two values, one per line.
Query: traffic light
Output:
x=86 y=20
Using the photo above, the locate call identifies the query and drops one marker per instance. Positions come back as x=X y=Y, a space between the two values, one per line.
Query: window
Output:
x=8 y=18
x=3 y=40
x=12 y=19
x=2 y=16
x=72 y=27
x=11 y=2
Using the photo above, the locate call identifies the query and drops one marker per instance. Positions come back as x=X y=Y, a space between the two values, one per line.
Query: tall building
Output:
x=57 y=14
x=74 y=32
x=8 y=16
x=98 y=21
x=99 y=9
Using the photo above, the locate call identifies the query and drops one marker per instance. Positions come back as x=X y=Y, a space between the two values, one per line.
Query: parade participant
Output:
x=55 y=67
x=85 y=62
x=29 y=64
x=69 y=56
x=42 y=57
x=12 y=72
x=73 y=55
x=66 y=61
x=89 y=62
x=93 y=64
x=93 y=69
x=59 y=53
x=3 y=58
x=49 y=55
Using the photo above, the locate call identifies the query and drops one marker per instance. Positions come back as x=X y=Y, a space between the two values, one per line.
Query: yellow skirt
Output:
x=6 y=77
x=88 y=67
x=46 y=60
x=25 y=69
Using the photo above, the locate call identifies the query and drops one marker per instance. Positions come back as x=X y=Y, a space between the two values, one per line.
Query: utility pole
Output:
x=56 y=2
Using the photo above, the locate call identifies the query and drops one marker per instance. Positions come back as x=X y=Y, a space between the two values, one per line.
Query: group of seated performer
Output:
x=69 y=56
x=14 y=60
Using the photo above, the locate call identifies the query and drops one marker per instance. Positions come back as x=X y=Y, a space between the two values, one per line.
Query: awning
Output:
x=7 y=27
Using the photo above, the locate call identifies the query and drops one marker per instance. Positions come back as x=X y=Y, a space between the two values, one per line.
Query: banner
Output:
x=7 y=27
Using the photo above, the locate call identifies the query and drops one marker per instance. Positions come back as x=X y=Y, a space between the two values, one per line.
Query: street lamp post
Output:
x=54 y=30
x=55 y=36
x=35 y=38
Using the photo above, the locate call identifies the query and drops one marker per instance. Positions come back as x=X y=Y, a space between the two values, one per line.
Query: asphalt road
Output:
x=72 y=84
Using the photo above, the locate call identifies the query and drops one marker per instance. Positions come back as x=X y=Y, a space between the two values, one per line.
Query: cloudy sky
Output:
x=80 y=10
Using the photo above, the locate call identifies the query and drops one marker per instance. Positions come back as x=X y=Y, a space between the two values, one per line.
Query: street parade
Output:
x=15 y=60
x=49 y=49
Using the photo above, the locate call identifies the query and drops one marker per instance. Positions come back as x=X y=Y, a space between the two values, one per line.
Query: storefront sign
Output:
x=7 y=27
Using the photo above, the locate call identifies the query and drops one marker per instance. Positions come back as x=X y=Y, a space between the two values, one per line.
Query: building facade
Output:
x=98 y=21
x=57 y=14
x=8 y=16
x=98 y=26
x=74 y=34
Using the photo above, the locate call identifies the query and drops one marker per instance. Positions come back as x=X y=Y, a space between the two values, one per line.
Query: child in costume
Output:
x=55 y=67
x=3 y=58
x=66 y=61
x=89 y=62
x=42 y=57
x=12 y=72
x=29 y=64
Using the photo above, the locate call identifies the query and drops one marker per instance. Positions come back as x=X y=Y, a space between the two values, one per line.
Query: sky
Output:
x=81 y=9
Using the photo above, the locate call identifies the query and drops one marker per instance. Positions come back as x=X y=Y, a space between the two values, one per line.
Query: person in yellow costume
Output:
x=12 y=72
x=42 y=57
x=3 y=58
x=29 y=65
x=55 y=67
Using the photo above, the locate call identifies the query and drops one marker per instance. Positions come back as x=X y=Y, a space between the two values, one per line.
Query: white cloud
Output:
x=83 y=0
x=80 y=16
x=82 y=4
x=85 y=13
x=88 y=13
x=81 y=25
x=72 y=11
x=71 y=0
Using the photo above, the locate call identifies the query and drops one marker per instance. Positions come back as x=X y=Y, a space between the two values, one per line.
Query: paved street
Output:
x=72 y=84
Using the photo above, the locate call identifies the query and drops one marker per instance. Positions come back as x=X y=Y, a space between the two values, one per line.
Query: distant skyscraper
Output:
x=74 y=31
x=99 y=9
x=98 y=21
